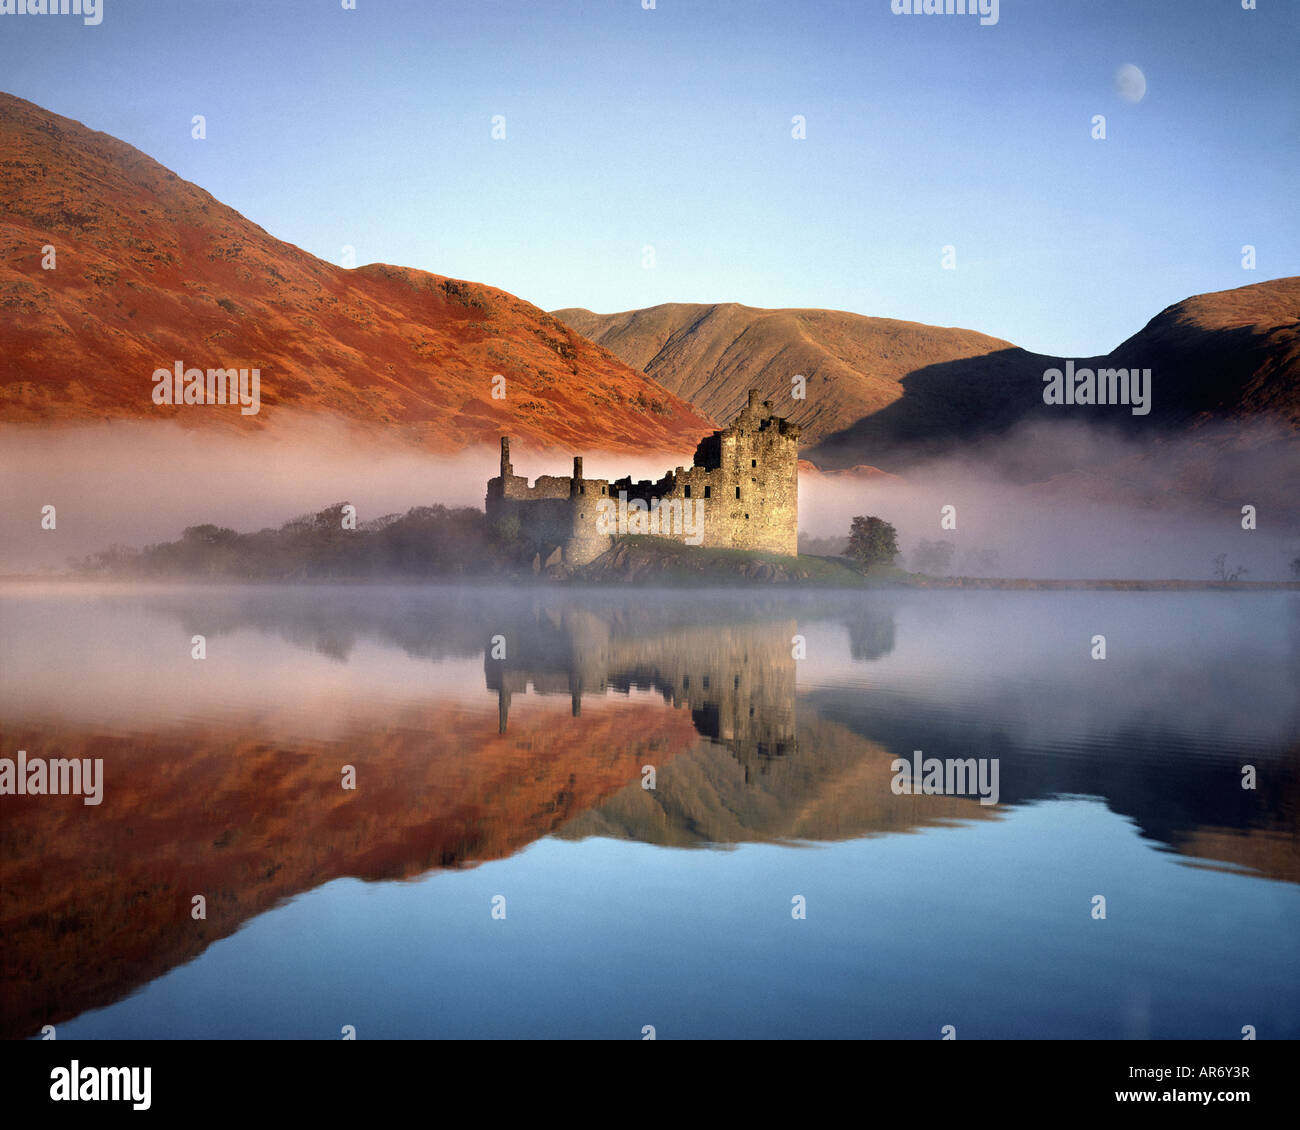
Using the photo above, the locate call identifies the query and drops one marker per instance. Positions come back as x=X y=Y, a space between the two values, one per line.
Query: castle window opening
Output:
x=753 y=462
x=688 y=490
x=738 y=492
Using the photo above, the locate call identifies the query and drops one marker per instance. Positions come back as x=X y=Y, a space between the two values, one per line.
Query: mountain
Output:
x=711 y=355
x=150 y=269
x=1233 y=353
x=890 y=393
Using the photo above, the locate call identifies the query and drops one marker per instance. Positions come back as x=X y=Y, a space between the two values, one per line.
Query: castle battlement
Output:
x=743 y=486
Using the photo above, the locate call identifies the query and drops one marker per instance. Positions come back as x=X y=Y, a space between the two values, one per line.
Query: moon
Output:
x=1130 y=83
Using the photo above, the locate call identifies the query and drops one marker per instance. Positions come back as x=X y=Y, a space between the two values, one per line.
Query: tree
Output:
x=506 y=531
x=934 y=557
x=982 y=562
x=209 y=535
x=1221 y=572
x=872 y=541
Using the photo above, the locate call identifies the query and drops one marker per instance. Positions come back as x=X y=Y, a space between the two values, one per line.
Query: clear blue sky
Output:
x=672 y=127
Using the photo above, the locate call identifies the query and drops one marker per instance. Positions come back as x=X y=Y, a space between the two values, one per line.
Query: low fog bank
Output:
x=1064 y=501
x=1048 y=501
x=135 y=484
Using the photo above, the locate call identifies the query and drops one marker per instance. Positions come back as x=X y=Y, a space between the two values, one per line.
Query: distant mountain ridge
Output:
x=150 y=269
x=712 y=354
x=886 y=392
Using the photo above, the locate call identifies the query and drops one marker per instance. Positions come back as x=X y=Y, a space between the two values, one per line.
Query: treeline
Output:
x=425 y=541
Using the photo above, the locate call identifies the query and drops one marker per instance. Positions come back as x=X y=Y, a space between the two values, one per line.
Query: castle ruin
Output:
x=742 y=488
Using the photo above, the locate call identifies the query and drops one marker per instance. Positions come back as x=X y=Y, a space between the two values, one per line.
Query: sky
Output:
x=671 y=128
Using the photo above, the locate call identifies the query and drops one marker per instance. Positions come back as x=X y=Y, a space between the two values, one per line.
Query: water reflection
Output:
x=478 y=722
x=737 y=680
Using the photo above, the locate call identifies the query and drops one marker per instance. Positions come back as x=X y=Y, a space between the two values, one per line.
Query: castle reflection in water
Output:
x=738 y=681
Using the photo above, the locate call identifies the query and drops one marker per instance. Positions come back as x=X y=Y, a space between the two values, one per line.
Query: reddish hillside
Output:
x=151 y=270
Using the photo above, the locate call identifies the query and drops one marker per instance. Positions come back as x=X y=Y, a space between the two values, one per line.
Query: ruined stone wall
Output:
x=754 y=495
x=586 y=542
x=553 y=512
x=746 y=477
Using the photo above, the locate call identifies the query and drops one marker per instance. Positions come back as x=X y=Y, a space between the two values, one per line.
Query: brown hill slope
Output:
x=1229 y=357
x=712 y=355
x=890 y=393
x=1228 y=354
x=151 y=269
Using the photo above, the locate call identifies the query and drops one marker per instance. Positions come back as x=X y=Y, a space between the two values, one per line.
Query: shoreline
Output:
x=917 y=582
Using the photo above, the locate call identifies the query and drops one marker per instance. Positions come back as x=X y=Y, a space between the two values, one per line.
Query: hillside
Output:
x=1233 y=353
x=711 y=356
x=151 y=269
x=891 y=393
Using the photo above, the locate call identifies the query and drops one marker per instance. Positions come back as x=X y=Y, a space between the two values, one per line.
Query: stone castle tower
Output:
x=741 y=492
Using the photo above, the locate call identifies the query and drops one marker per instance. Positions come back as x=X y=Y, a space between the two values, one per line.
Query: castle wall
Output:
x=745 y=477
x=554 y=511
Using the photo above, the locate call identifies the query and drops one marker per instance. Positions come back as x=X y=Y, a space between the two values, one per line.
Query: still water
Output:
x=501 y=870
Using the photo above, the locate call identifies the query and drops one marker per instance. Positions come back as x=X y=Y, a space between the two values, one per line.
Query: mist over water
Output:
x=1047 y=501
